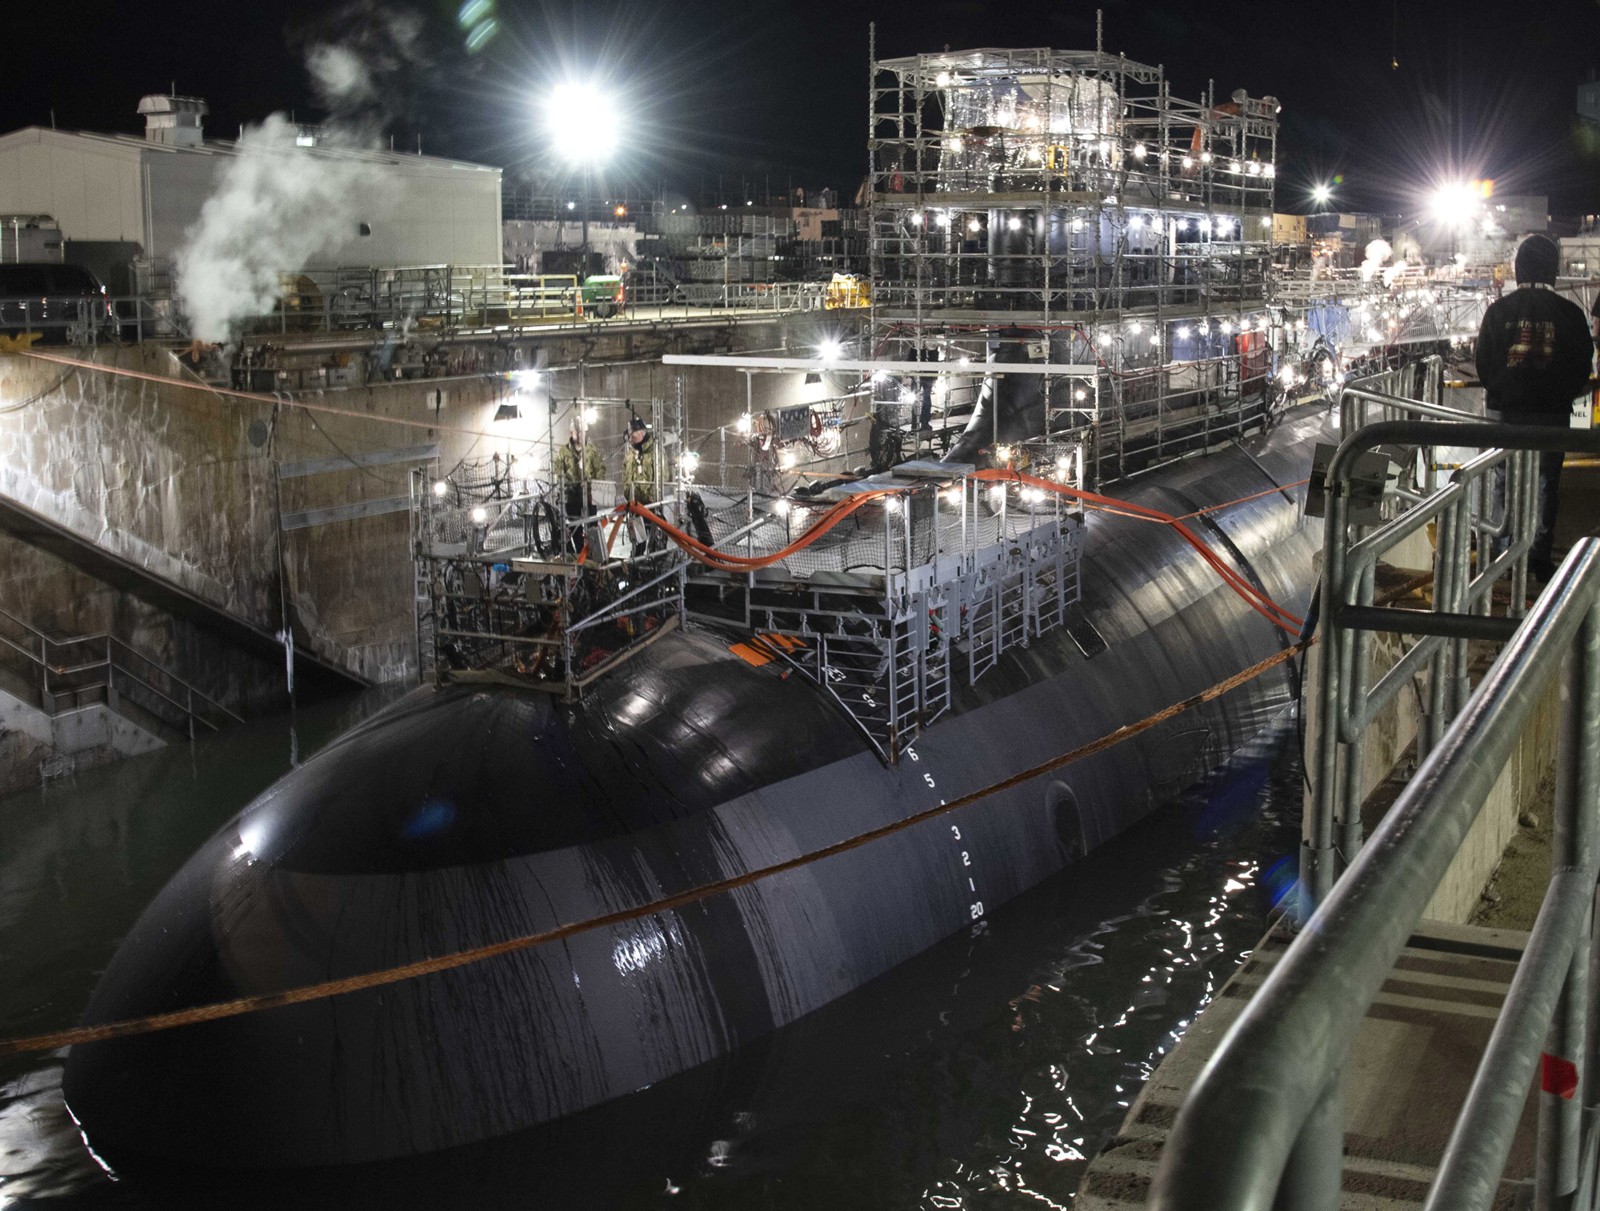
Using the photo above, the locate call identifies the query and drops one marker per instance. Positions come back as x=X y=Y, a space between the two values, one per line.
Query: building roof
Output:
x=135 y=145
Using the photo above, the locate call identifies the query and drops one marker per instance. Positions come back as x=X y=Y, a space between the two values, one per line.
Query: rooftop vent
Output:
x=173 y=121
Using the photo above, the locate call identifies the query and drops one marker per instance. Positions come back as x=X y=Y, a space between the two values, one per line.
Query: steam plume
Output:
x=278 y=208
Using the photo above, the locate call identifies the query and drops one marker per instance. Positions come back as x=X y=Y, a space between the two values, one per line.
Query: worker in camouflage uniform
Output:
x=641 y=475
x=576 y=466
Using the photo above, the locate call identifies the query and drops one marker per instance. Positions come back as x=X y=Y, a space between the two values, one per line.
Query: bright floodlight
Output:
x=1321 y=194
x=830 y=348
x=1454 y=203
x=583 y=122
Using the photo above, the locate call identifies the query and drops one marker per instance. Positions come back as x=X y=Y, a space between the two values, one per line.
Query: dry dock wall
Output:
x=183 y=482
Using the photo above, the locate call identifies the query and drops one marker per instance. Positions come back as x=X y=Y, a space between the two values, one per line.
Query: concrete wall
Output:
x=181 y=481
x=1533 y=761
x=162 y=475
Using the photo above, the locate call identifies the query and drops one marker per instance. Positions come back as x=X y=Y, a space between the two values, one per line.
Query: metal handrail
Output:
x=1264 y=1121
x=1460 y=607
x=113 y=647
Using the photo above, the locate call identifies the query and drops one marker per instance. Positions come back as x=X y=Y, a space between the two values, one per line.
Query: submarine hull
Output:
x=465 y=817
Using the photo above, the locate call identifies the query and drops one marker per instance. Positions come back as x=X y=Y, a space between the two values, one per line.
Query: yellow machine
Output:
x=847 y=290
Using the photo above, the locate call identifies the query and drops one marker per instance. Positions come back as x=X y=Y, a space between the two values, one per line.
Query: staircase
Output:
x=60 y=675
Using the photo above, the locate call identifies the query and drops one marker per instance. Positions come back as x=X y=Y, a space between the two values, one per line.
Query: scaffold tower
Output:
x=1065 y=208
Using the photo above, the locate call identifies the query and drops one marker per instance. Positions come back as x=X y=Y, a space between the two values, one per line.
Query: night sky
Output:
x=777 y=90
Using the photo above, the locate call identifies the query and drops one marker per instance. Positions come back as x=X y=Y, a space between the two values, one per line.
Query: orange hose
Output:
x=728 y=562
x=1252 y=596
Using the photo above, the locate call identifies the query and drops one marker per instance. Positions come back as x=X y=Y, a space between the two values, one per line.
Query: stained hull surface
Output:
x=469 y=816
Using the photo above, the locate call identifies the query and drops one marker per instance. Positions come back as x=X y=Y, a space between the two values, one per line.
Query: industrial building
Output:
x=120 y=198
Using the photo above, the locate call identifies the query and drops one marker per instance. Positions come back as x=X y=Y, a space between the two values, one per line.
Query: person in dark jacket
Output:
x=1534 y=354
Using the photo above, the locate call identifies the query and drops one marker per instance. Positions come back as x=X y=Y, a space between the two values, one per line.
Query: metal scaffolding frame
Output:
x=1064 y=206
x=521 y=575
x=934 y=576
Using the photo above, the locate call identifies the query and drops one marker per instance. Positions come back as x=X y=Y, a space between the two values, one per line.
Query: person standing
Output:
x=641 y=476
x=1533 y=358
x=576 y=466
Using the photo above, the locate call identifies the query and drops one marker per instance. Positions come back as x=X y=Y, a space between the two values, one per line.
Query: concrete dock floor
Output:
x=1410 y=1068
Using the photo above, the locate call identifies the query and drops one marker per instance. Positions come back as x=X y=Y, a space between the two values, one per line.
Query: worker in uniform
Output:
x=576 y=466
x=641 y=474
x=1533 y=359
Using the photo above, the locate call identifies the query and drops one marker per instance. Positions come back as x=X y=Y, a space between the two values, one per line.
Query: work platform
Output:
x=1413 y=1060
x=885 y=591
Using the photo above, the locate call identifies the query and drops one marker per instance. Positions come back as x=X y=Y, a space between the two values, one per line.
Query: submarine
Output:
x=679 y=815
x=469 y=814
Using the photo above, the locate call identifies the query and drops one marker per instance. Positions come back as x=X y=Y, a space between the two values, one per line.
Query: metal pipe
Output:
x=1425 y=622
x=1469 y=1172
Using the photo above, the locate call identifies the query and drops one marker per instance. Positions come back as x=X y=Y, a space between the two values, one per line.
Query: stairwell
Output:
x=66 y=704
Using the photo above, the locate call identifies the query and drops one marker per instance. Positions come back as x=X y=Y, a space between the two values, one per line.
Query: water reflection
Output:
x=982 y=1074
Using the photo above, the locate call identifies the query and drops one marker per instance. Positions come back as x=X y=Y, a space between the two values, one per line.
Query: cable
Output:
x=256 y=397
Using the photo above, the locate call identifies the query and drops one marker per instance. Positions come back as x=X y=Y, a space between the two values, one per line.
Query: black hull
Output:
x=465 y=817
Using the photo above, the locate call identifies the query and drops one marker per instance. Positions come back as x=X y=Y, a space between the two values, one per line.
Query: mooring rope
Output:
x=255 y=1003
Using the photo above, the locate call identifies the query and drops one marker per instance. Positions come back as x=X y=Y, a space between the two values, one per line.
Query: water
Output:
x=983 y=1074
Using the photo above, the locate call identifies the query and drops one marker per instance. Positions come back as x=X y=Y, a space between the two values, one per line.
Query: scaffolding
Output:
x=1065 y=207
x=524 y=570
x=930 y=579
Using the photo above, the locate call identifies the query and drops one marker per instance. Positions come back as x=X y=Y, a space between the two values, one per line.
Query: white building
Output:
x=147 y=192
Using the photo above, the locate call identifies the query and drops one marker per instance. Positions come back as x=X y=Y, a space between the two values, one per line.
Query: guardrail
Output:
x=85 y=669
x=1485 y=518
x=331 y=301
x=1263 y=1125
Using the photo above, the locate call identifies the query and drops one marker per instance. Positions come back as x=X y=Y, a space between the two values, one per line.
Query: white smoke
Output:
x=356 y=57
x=276 y=208
x=340 y=76
x=1378 y=254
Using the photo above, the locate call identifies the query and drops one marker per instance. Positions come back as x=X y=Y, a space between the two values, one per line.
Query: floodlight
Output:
x=583 y=122
x=1454 y=203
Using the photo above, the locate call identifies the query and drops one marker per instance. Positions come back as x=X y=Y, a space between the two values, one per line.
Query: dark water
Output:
x=983 y=1074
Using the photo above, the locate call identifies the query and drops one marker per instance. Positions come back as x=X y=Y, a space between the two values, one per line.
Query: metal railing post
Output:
x=1562 y=1095
x=1316 y=850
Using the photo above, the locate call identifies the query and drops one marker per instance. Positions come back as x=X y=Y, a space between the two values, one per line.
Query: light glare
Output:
x=582 y=122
